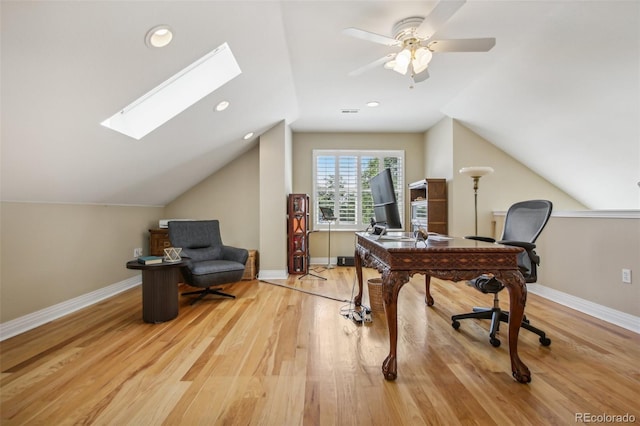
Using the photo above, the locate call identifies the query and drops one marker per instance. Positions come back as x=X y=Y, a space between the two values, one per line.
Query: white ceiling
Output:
x=560 y=91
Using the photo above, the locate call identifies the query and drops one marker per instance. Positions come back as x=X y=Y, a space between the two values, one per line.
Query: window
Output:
x=341 y=182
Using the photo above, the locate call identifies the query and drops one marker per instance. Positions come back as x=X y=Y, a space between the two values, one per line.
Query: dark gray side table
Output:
x=159 y=290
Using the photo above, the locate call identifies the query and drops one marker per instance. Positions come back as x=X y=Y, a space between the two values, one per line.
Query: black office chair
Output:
x=210 y=263
x=522 y=225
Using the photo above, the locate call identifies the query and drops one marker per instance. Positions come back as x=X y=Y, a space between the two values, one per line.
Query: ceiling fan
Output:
x=414 y=36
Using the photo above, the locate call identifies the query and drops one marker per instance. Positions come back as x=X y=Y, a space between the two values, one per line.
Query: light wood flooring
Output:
x=276 y=356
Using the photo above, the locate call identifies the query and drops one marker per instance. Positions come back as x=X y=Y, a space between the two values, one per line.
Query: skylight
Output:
x=175 y=95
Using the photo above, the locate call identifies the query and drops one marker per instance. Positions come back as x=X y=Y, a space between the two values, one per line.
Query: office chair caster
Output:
x=455 y=324
x=494 y=342
x=545 y=341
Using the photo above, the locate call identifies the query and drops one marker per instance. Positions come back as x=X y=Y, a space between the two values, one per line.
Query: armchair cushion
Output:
x=215 y=266
x=204 y=253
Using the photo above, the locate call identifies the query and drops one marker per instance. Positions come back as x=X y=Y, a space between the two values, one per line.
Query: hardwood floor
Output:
x=275 y=356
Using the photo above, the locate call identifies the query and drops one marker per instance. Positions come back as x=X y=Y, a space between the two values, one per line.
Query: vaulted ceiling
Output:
x=560 y=91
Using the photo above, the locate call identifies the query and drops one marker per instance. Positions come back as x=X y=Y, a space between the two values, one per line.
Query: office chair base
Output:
x=203 y=293
x=496 y=315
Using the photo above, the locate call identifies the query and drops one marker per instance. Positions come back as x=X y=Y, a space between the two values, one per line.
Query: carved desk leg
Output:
x=358 y=264
x=391 y=284
x=516 y=286
x=427 y=286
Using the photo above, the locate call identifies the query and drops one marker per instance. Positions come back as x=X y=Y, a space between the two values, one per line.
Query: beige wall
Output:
x=583 y=253
x=55 y=252
x=511 y=181
x=438 y=152
x=275 y=184
x=342 y=242
x=230 y=195
x=584 y=257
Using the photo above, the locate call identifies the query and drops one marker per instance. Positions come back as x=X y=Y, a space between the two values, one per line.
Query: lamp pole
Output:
x=476 y=179
x=475 y=173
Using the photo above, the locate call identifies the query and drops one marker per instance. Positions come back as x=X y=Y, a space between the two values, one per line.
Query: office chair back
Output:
x=524 y=222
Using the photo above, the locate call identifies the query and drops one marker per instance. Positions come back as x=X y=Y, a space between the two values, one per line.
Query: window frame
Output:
x=319 y=225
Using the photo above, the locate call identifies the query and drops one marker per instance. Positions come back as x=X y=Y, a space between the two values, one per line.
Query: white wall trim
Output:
x=613 y=316
x=607 y=214
x=322 y=261
x=273 y=274
x=25 y=323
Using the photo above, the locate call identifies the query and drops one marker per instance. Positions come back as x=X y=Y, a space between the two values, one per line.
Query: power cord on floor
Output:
x=303 y=290
x=359 y=315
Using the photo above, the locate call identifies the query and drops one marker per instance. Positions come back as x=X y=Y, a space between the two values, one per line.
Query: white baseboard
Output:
x=613 y=316
x=273 y=274
x=25 y=323
x=322 y=261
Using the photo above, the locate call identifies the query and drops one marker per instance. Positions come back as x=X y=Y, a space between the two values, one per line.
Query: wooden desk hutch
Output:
x=429 y=205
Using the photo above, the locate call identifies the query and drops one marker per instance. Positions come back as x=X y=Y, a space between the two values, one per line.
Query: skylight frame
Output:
x=176 y=94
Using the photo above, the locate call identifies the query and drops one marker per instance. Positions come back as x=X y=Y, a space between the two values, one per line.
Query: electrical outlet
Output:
x=137 y=252
x=626 y=276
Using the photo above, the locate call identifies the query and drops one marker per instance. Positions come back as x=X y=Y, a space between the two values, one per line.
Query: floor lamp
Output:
x=476 y=172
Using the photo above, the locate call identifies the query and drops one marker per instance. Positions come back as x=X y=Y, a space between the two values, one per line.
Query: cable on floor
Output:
x=304 y=291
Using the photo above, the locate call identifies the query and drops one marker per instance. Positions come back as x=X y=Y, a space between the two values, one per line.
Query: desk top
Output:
x=402 y=241
x=462 y=256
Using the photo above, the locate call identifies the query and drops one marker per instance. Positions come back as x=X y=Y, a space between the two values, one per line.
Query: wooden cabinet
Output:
x=429 y=205
x=158 y=241
x=297 y=233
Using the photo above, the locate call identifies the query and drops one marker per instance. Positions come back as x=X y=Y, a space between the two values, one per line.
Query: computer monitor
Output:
x=385 y=205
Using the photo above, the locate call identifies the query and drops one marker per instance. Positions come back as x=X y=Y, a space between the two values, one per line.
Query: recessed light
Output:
x=373 y=104
x=248 y=136
x=222 y=106
x=159 y=36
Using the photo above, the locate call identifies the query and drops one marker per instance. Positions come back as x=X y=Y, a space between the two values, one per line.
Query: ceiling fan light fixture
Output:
x=390 y=64
x=421 y=59
x=403 y=59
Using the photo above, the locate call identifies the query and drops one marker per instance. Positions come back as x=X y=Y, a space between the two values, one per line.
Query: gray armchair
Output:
x=210 y=262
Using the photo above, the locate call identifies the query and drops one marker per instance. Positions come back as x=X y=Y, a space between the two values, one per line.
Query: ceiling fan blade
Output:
x=372 y=65
x=462 y=45
x=417 y=78
x=440 y=14
x=369 y=36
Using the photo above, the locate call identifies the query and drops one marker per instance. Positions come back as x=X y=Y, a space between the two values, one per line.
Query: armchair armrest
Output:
x=234 y=253
x=479 y=238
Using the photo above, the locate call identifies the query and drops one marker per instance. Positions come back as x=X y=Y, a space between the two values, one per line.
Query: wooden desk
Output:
x=455 y=259
x=159 y=290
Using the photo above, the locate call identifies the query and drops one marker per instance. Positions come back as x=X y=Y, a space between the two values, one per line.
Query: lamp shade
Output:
x=403 y=59
x=476 y=171
x=421 y=60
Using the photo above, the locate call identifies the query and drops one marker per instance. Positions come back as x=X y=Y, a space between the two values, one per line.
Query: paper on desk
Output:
x=439 y=237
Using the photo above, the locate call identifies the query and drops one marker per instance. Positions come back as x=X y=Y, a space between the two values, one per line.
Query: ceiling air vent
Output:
x=350 y=111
